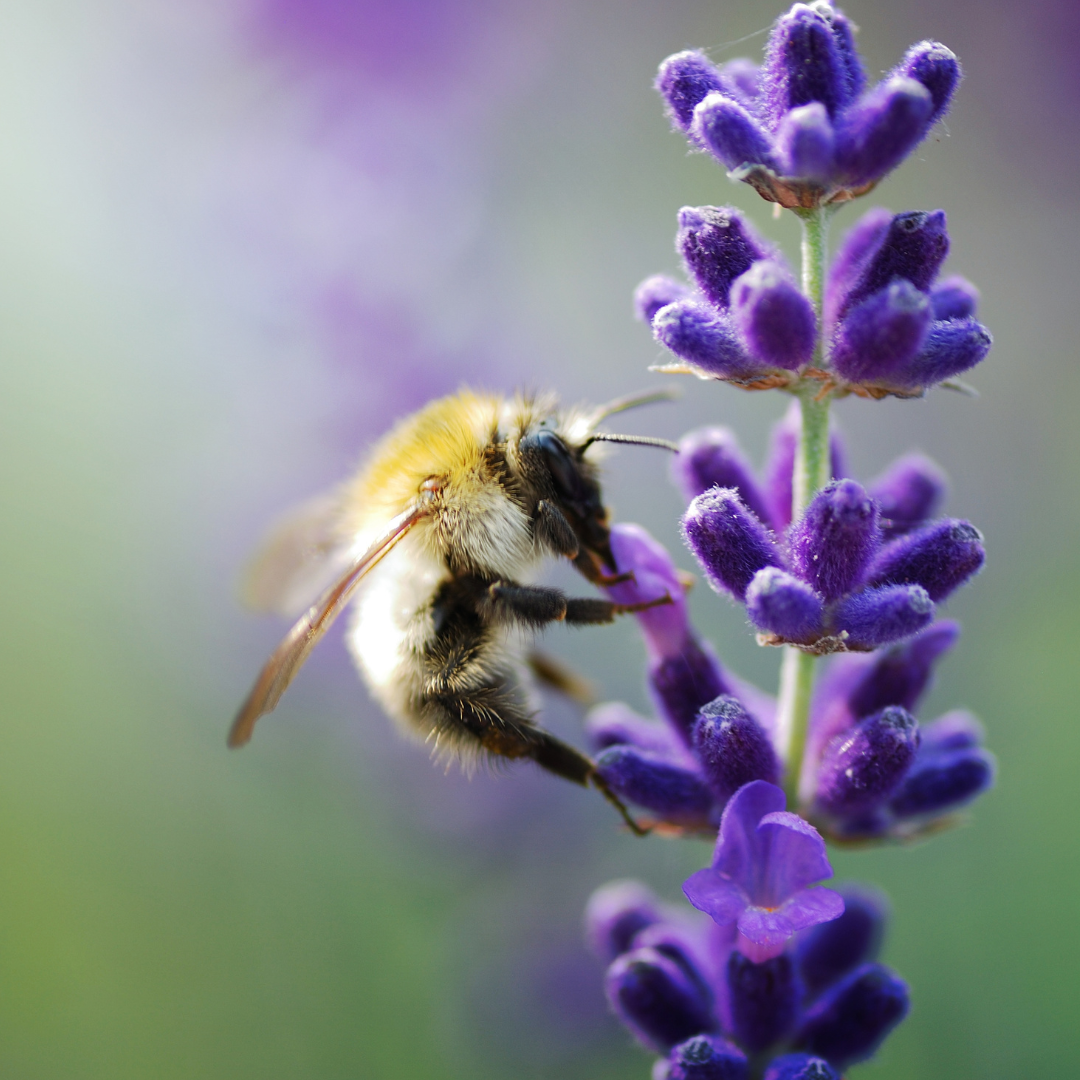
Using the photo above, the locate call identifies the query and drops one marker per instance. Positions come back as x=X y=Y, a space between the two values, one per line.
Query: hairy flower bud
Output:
x=939 y=557
x=909 y=493
x=730 y=542
x=878 y=616
x=778 y=603
x=673 y=791
x=656 y=292
x=732 y=748
x=735 y=138
x=717 y=244
x=861 y=768
x=882 y=333
x=776 y=321
x=711 y=457
x=833 y=542
x=762 y=1000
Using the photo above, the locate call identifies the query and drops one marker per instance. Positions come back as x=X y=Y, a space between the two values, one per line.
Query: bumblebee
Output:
x=433 y=543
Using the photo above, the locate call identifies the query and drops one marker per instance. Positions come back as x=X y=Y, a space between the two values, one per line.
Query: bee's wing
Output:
x=301 y=556
x=290 y=655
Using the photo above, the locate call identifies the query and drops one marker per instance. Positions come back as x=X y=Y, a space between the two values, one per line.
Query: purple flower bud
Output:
x=616 y=724
x=943 y=781
x=732 y=748
x=780 y=465
x=956 y=730
x=682 y=684
x=833 y=543
x=803 y=63
x=858 y=247
x=725 y=127
x=742 y=79
x=901 y=675
x=731 y=544
x=800 y=1067
x=656 y=999
x=710 y=457
x=806 y=144
x=879 y=130
x=673 y=791
x=776 y=321
x=686 y=945
x=851 y=1020
x=937 y=68
x=777 y=603
x=908 y=493
x=875 y=617
x=882 y=334
x=615 y=913
x=861 y=768
x=684 y=80
x=844 y=36
x=954 y=298
x=951 y=348
x=703 y=337
x=656 y=292
x=914 y=248
x=717 y=244
x=762 y=1000
x=707 y=1057
x=939 y=557
x=829 y=951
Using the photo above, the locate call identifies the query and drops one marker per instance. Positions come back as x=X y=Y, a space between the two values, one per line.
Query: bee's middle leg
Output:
x=537 y=605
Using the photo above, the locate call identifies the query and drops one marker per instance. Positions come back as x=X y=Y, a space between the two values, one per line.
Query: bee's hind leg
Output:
x=563 y=760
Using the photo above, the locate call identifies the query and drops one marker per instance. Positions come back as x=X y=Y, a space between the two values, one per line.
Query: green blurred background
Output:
x=232 y=252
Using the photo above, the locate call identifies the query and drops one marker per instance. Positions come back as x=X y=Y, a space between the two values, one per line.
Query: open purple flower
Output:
x=803 y=129
x=764 y=865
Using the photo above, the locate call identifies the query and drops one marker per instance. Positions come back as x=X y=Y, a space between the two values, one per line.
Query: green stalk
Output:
x=812 y=472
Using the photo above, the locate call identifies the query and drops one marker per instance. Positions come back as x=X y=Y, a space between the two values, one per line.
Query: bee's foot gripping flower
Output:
x=811 y=998
x=803 y=129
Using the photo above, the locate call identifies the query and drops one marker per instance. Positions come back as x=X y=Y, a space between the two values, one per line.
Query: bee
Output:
x=433 y=543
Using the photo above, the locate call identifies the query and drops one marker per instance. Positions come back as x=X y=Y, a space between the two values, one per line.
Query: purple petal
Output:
x=794 y=857
x=718 y=896
x=769 y=928
x=666 y=626
x=740 y=849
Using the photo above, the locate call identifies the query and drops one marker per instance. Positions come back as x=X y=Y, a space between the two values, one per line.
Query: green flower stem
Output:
x=812 y=472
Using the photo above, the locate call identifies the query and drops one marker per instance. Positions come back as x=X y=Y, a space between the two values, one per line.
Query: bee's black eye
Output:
x=564 y=472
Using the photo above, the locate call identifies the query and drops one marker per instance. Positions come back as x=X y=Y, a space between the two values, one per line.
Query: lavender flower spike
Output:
x=764 y=864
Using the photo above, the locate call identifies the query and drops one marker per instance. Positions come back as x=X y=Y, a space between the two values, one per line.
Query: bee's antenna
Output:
x=632 y=401
x=634 y=440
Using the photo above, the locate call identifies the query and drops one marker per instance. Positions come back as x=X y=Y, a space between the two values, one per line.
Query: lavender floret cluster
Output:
x=803 y=128
x=778 y=976
x=775 y=976
x=889 y=328
x=869 y=771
